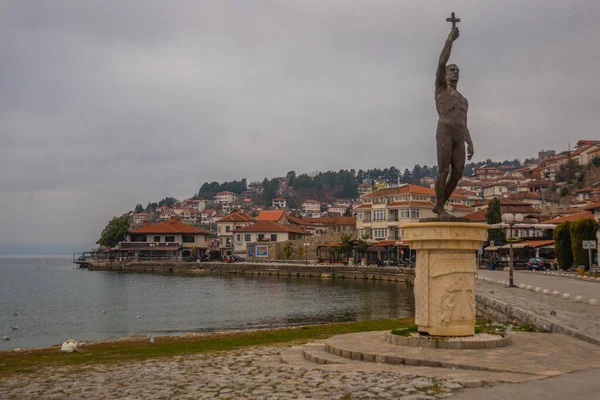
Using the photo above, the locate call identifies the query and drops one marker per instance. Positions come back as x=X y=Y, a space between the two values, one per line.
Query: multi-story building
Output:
x=191 y=216
x=364 y=188
x=225 y=197
x=486 y=172
x=266 y=231
x=165 y=240
x=384 y=212
x=279 y=202
x=139 y=218
x=336 y=210
x=311 y=207
x=226 y=226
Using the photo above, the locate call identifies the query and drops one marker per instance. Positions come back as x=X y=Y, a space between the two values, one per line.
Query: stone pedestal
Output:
x=445 y=275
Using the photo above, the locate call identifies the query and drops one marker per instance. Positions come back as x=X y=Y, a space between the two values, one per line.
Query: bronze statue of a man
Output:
x=452 y=131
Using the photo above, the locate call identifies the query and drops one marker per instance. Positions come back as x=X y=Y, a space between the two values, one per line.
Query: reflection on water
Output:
x=56 y=302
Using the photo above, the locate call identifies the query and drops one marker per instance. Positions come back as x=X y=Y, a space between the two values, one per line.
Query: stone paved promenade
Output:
x=579 y=317
x=589 y=290
x=253 y=374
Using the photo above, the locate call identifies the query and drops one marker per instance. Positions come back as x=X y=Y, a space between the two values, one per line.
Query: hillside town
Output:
x=546 y=191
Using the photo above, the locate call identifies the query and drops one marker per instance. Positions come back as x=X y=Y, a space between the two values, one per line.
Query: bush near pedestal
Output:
x=583 y=229
x=562 y=245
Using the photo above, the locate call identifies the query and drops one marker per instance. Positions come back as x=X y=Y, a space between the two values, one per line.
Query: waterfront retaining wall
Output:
x=392 y=274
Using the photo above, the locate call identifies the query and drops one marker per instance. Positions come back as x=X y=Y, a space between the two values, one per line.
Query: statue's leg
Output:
x=458 y=165
x=444 y=156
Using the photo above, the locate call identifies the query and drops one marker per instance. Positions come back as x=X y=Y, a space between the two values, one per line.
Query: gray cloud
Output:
x=107 y=104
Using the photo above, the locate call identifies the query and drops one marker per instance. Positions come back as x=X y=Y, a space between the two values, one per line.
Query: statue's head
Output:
x=452 y=73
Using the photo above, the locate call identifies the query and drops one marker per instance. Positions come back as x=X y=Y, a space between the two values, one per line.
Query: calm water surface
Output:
x=56 y=301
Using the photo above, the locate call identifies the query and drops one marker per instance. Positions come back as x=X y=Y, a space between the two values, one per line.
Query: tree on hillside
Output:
x=269 y=189
x=115 y=231
x=406 y=176
x=493 y=216
x=167 y=201
x=303 y=181
x=570 y=171
x=583 y=229
x=562 y=245
x=151 y=207
x=291 y=176
x=138 y=208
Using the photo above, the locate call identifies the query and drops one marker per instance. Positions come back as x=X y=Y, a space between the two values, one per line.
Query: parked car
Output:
x=538 y=264
x=238 y=258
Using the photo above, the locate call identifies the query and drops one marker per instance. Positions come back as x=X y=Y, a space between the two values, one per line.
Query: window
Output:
x=188 y=239
x=359 y=216
x=156 y=239
x=360 y=233
x=228 y=228
x=261 y=237
x=273 y=237
x=247 y=237
x=379 y=215
x=410 y=213
x=379 y=233
x=238 y=237
x=169 y=238
x=218 y=229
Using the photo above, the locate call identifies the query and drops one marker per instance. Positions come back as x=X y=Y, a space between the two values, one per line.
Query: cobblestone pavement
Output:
x=231 y=375
x=589 y=290
x=581 y=317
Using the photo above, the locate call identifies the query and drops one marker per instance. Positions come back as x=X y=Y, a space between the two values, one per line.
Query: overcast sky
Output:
x=105 y=104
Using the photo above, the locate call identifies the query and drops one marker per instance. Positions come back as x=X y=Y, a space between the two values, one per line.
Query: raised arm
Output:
x=440 y=77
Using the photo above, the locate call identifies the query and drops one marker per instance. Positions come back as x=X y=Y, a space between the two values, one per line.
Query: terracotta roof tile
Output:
x=571 y=217
x=236 y=217
x=477 y=216
x=270 y=215
x=172 y=226
x=270 y=226
x=406 y=189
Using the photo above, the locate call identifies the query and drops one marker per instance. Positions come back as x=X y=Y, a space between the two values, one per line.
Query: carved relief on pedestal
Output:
x=458 y=292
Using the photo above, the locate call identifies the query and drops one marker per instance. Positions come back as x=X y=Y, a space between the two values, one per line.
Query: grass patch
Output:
x=406 y=331
x=140 y=349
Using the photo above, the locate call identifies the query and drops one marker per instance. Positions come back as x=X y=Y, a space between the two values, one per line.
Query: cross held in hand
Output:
x=453 y=19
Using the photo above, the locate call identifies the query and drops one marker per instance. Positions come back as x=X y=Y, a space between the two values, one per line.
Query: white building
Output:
x=279 y=202
x=225 y=197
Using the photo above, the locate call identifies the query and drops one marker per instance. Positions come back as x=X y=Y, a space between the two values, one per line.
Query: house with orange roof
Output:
x=262 y=232
x=488 y=172
x=496 y=189
x=322 y=225
x=583 y=154
x=139 y=218
x=571 y=217
x=278 y=216
x=384 y=212
x=594 y=208
x=170 y=240
x=225 y=227
x=311 y=208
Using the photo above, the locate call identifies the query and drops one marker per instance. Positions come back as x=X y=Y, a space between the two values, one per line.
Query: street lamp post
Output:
x=511 y=219
x=306 y=253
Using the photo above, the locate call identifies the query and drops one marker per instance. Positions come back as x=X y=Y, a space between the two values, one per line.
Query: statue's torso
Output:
x=452 y=107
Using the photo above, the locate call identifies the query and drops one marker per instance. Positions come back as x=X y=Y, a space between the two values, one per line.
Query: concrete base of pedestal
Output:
x=445 y=275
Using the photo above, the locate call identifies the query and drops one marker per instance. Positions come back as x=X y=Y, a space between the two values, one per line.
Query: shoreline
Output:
x=139 y=348
x=142 y=338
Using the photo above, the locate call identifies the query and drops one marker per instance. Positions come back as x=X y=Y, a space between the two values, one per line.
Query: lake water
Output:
x=56 y=302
